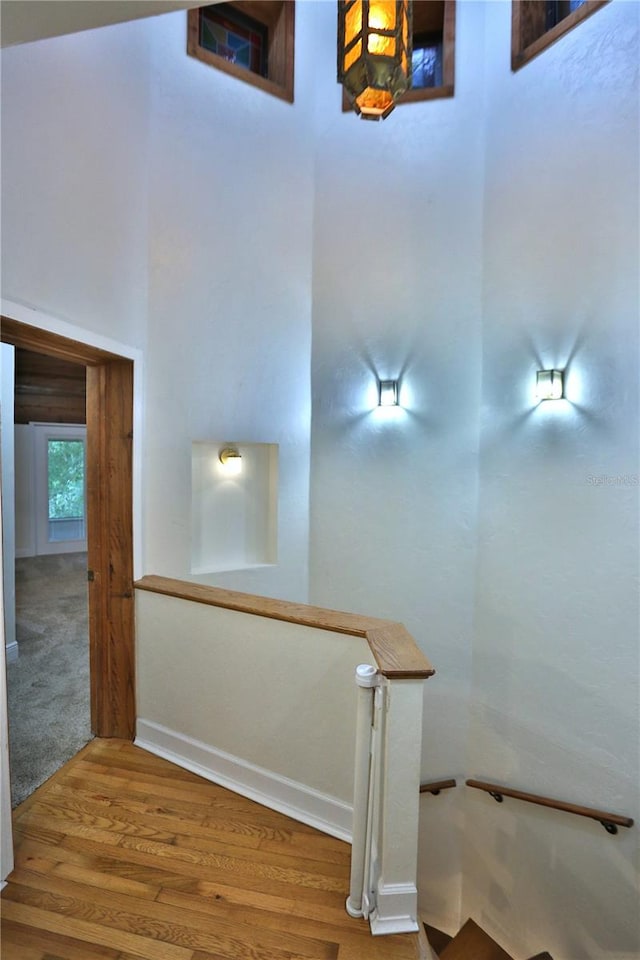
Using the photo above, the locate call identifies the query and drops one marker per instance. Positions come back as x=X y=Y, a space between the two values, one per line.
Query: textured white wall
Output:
x=231 y=190
x=415 y=242
x=74 y=205
x=113 y=133
x=275 y=694
x=74 y=192
x=537 y=241
x=221 y=292
x=555 y=683
x=397 y=289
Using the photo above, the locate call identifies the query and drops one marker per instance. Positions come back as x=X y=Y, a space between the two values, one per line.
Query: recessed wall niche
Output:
x=234 y=513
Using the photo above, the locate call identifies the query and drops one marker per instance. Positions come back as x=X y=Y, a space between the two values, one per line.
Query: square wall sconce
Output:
x=387 y=393
x=550 y=384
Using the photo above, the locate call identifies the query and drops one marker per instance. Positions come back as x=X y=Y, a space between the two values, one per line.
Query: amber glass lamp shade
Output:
x=374 y=53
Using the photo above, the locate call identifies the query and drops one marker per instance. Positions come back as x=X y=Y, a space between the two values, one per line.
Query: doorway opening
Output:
x=109 y=520
x=48 y=674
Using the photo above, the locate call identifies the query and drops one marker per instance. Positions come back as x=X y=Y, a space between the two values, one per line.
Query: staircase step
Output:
x=438 y=939
x=472 y=943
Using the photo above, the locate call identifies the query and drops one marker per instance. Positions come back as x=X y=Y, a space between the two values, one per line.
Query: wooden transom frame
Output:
x=109 y=521
x=279 y=18
x=529 y=35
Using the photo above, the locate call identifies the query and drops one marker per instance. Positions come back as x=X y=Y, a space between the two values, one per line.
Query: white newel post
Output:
x=395 y=890
x=394 y=885
x=366 y=680
x=384 y=853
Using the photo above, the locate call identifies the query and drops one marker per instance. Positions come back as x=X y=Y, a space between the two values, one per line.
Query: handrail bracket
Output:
x=609 y=827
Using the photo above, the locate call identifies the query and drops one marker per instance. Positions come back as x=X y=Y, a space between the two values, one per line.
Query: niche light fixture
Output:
x=387 y=393
x=550 y=384
x=231 y=460
x=374 y=53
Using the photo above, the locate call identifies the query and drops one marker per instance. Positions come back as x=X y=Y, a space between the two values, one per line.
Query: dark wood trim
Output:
x=394 y=649
x=110 y=538
x=523 y=48
x=447 y=89
x=109 y=521
x=48 y=390
x=435 y=786
x=602 y=816
x=41 y=341
x=280 y=82
x=426 y=93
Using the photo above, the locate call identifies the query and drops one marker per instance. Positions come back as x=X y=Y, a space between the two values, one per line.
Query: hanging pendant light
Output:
x=374 y=53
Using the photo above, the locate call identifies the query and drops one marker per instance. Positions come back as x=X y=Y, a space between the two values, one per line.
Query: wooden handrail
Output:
x=435 y=786
x=395 y=651
x=610 y=821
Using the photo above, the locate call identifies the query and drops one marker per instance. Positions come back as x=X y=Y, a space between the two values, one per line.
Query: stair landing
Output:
x=121 y=854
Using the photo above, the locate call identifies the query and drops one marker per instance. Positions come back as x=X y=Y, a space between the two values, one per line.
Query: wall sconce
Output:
x=550 y=384
x=374 y=53
x=387 y=393
x=231 y=461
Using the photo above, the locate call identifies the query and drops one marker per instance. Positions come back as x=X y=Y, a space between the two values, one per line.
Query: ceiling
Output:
x=22 y=21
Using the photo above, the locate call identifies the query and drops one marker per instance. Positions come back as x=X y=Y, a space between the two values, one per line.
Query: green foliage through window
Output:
x=65 y=460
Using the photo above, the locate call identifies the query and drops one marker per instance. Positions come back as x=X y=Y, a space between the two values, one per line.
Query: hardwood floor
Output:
x=122 y=855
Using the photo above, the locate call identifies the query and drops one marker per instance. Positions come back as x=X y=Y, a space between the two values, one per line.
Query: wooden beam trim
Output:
x=521 y=55
x=280 y=79
x=395 y=651
x=52 y=344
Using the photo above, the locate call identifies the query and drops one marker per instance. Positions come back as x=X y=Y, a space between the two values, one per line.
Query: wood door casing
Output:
x=110 y=554
x=109 y=522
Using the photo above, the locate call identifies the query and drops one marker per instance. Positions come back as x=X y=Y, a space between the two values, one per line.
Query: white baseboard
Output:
x=396 y=909
x=11 y=651
x=316 y=809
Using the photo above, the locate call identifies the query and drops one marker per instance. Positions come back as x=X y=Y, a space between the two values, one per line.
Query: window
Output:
x=434 y=29
x=536 y=24
x=433 y=63
x=60 y=488
x=252 y=40
x=65 y=481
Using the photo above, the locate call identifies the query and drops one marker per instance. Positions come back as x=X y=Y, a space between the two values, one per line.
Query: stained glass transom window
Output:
x=426 y=62
x=235 y=36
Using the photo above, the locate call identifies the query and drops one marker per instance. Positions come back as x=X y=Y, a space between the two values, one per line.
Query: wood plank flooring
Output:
x=123 y=856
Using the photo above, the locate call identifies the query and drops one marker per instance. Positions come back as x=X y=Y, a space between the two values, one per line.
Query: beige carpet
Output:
x=48 y=686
